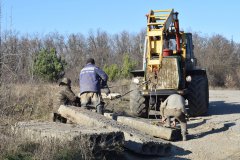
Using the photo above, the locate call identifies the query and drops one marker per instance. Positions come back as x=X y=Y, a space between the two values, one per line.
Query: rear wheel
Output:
x=139 y=105
x=198 y=96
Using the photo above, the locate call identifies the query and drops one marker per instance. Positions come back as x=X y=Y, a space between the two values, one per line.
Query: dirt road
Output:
x=217 y=135
x=212 y=137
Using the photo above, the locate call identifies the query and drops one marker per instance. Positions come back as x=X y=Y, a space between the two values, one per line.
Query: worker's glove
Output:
x=77 y=102
x=106 y=90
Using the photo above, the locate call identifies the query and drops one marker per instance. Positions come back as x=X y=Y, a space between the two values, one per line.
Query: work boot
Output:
x=100 y=109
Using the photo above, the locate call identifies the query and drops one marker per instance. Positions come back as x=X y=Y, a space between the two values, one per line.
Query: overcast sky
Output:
x=207 y=17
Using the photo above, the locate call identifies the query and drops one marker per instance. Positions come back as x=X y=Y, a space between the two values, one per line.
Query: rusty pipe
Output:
x=176 y=25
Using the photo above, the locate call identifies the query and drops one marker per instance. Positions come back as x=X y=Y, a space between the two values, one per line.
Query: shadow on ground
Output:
x=225 y=127
x=176 y=151
x=194 y=125
x=222 y=107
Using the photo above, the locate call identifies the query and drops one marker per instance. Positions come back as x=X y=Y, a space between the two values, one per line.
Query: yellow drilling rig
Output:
x=169 y=67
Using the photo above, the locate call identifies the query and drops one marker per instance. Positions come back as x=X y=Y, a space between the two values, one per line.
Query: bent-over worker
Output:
x=174 y=106
x=64 y=96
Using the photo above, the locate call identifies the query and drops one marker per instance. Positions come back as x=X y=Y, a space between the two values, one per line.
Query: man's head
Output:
x=65 y=81
x=90 y=60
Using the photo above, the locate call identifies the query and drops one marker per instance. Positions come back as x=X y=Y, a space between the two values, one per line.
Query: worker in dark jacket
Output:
x=64 y=96
x=92 y=79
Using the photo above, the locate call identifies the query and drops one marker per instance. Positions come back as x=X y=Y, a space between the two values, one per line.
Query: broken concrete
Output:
x=93 y=138
x=134 y=140
x=153 y=130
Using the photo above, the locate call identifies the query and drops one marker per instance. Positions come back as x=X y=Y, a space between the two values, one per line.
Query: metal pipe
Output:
x=176 y=25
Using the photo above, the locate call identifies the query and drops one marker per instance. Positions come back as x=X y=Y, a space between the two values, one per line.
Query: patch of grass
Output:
x=22 y=151
x=68 y=154
x=19 y=156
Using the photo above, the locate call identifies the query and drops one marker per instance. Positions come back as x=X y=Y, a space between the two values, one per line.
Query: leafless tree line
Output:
x=19 y=51
x=220 y=56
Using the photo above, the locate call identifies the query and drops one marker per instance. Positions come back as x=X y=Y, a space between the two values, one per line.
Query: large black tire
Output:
x=139 y=105
x=198 y=96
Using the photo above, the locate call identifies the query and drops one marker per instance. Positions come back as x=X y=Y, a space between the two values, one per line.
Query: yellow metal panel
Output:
x=155 y=24
x=154 y=33
x=183 y=47
x=158 y=22
x=162 y=17
x=156 y=47
x=153 y=62
x=167 y=10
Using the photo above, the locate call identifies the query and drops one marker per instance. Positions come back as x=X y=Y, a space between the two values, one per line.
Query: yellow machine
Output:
x=169 y=67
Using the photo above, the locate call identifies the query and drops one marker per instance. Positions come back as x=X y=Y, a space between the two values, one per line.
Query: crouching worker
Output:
x=174 y=106
x=64 y=96
x=91 y=80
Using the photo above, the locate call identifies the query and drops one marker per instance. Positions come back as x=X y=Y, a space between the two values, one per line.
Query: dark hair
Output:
x=90 y=60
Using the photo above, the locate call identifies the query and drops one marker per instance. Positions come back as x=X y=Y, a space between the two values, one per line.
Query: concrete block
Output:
x=144 y=126
x=93 y=137
x=135 y=140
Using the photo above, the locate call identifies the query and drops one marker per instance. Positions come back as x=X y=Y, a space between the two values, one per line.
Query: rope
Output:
x=129 y=90
x=118 y=86
x=156 y=100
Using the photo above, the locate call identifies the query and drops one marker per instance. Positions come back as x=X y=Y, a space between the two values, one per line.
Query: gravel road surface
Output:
x=215 y=136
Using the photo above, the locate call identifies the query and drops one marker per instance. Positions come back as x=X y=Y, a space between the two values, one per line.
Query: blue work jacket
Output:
x=92 y=78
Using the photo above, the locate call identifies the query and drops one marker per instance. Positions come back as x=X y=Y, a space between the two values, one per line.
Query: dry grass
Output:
x=14 y=147
x=21 y=102
x=24 y=102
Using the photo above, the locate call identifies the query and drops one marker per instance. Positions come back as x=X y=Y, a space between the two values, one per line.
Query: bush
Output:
x=127 y=67
x=48 y=66
x=112 y=71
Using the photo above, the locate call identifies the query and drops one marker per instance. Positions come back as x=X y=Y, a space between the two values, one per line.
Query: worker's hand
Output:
x=163 y=119
x=106 y=90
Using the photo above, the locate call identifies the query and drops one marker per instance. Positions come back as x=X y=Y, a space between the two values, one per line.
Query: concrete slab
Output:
x=93 y=138
x=135 y=140
x=144 y=126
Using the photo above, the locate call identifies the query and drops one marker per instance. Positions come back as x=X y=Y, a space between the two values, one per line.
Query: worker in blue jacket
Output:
x=92 y=79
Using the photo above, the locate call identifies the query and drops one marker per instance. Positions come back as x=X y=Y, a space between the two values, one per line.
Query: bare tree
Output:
x=99 y=47
x=220 y=56
x=75 y=55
